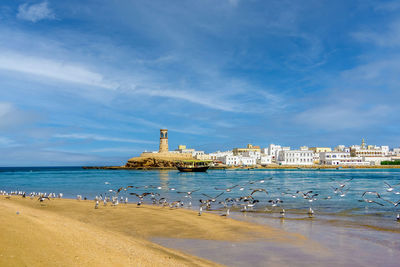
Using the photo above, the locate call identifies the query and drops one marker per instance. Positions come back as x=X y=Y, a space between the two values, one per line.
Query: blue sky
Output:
x=92 y=82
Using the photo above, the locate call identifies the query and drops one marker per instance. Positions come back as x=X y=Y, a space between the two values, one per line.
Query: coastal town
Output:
x=361 y=155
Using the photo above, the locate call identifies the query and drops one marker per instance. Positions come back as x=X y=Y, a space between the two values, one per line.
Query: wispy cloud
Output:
x=101 y=138
x=35 y=12
x=49 y=68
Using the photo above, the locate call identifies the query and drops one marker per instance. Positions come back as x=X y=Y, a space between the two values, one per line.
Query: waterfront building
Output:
x=218 y=155
x=368 y=151
x=376 y=160
x=316 y=158
x=341 y=158
x=251 y=154
x=248 y=161
x=296 y=157
x=340 y=148
x=230 y=160
x=264 y=159
x=273 y=151
x=320 y=149
x=248 y=148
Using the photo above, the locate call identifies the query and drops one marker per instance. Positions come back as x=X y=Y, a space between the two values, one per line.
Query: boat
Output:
x=193 y=165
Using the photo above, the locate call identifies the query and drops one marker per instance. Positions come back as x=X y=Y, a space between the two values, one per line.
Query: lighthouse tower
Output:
x=163 y=140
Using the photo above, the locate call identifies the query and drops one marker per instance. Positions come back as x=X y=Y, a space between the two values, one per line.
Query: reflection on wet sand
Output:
x=331 y=243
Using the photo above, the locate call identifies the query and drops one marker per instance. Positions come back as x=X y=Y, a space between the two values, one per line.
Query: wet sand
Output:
x=66 y=232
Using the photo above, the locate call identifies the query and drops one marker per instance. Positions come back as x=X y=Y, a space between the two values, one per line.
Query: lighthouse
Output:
x=163 y=141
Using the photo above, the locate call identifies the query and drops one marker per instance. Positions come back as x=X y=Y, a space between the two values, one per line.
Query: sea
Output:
x=356 y=229
x=279 y=183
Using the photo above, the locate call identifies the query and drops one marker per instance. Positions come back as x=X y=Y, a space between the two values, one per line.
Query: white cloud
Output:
x=53 y=69
x=193 y=97
x=101 y=138
x=35 y=12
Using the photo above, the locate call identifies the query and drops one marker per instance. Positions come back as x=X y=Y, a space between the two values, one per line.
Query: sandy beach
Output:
x=67 y=232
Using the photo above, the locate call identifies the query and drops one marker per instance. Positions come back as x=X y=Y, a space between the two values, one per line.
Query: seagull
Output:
x=275 y=202
x=390 y=188
x=226 y=214
x=189 y=192
x=200 y=210
x=42 y=198
x=140 y=197
x=251 y=203
x=176 y=204
x=343 y=193
x=258 y=190
x=371 y=193
x=229 y=189
x=395 y=204
x=282 y=213
x=213 y=199
x=342 y=184
x=306 y=194
x=371 y=201
x=310 y=213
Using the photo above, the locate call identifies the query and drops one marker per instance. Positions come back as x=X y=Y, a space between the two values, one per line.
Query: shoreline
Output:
x=71 y=232
x=278 y=167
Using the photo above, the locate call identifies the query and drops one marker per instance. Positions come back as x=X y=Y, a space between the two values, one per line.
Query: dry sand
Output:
x=66 y=232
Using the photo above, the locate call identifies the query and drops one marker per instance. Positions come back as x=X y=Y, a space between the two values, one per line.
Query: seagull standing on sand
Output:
x=140 y=197
x=310 y=213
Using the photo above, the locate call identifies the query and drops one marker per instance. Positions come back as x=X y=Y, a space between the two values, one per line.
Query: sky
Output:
x=92 y=82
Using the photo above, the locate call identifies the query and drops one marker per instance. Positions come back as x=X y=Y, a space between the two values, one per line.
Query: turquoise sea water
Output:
x=72 y=181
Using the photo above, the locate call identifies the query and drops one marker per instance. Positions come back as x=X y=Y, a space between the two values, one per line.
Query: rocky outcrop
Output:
x=150 y=163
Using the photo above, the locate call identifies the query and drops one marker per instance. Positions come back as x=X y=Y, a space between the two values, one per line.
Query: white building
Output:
x=264 y=160
x=219 y=154
x=341 y=148
x=230 y=160
x=341 y=158
x=385 y=150
x=296 y=157
x=273 y=151
x=251 y=154
x=376 y=160
x=248 y=161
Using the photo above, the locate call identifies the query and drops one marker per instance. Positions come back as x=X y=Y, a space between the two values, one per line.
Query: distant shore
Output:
x=269 y=167
x=67 y=232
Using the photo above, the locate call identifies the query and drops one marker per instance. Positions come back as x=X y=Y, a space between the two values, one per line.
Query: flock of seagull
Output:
x=254 y=196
